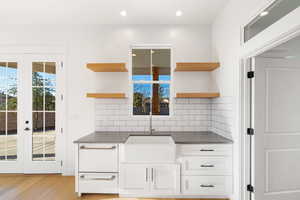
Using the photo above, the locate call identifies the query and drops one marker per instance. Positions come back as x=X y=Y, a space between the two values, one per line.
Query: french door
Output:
x=30 y=112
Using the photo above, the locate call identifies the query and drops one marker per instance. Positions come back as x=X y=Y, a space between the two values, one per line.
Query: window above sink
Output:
x=151 y=81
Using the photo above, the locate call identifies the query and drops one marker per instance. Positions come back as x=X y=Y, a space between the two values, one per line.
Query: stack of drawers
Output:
x=98 y=167
x=206 y=169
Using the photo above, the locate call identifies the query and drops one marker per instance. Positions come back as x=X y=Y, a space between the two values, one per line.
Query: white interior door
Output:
x=42 y=116
x=277 y=129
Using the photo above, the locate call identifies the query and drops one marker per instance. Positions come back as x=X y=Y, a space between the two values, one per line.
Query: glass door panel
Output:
x=8 y=111
x=43 y=111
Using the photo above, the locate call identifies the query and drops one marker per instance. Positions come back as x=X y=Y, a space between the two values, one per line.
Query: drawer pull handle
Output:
x=98 y=148
x=207 y=150
x=207 y=186
x=207 y=166
x=99 y=179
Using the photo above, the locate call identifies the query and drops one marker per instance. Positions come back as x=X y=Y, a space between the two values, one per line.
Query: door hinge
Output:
x=250 y=74
x=61 y=130
x=250 y=188
x=62 y=97
x=61 y=64
x=61 y=163
x=250 y=131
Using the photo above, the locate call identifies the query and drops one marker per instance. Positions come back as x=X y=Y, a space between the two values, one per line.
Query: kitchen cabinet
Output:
x=154 y=179
x=198 y=170
x=206 y=185
x=134 y=179
x=206 y=169
x=97 y=168
x=98 y=158
x=98 y=182
x=165 y=179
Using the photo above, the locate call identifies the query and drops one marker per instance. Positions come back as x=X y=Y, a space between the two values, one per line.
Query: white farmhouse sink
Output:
x=141 y=149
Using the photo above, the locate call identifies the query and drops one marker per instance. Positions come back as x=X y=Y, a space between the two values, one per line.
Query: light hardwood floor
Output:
x=43 y=187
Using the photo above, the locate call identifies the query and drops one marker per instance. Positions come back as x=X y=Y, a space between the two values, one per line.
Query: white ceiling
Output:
x=108 y=11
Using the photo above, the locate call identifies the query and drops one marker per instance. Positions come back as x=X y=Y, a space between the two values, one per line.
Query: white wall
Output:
x=227 y=48
x=111 y=44
x=226 y=37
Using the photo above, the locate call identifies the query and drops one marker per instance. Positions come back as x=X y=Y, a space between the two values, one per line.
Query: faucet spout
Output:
x=151 y=130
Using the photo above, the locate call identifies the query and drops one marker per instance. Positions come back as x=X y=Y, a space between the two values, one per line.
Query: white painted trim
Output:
x=131 y=82
x=262 y=6
x=283 y=30
x=60 y=50
x=243 y=101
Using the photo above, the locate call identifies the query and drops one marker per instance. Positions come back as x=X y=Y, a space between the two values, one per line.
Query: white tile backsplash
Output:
x=222 y=116
x=187 y=115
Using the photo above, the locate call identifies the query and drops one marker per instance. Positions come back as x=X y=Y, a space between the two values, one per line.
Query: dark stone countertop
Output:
x=197 y=137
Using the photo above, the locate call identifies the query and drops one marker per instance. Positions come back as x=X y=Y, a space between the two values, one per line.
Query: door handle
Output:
x=26 y=129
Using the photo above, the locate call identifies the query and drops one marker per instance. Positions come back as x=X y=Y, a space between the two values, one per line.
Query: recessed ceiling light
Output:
x=178 y=13
x=123 y=13
x=264 y=13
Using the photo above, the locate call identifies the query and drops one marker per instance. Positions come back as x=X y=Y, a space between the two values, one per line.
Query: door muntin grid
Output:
x=8 y=110
x=43 y=111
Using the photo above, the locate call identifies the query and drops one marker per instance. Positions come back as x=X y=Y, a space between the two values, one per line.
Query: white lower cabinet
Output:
x=98 y=158
x=206 y=169
x=149 y=179
x=198 y=170
x=206 y=185
x=134 y=178
x=98 y=182
x=97 y=168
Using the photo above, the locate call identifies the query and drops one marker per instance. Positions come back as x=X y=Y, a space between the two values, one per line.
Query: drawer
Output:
x=200 y=165
x=206 y=150
x=206 y=185
x=98 y=158
x=98 y=183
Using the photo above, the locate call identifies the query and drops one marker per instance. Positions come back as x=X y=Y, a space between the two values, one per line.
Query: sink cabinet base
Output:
x=199 y=171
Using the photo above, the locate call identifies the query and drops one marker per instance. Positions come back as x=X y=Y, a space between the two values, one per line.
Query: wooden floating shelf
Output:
x=197 y=95
x=185 y=67
x=107 y=67
x=106 y=95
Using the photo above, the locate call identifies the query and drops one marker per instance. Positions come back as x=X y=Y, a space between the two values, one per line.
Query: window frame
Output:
x=132 y=82
x=260 y=8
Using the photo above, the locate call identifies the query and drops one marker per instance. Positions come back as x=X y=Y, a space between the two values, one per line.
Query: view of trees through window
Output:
x=151 y=76
x=43 y=110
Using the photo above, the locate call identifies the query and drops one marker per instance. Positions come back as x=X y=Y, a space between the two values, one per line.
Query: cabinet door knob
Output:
x=207 y=150
x=98 y=148
x=207 y=186
x=207 y=165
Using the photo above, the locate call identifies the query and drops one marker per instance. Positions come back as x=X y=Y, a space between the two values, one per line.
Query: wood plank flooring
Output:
x=44 y=187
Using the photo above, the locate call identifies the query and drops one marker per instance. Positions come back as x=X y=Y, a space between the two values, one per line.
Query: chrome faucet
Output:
x=151 y=130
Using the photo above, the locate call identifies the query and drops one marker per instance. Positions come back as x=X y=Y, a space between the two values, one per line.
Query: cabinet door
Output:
x=165 y=179
x=134 y=179
x=98 y=158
